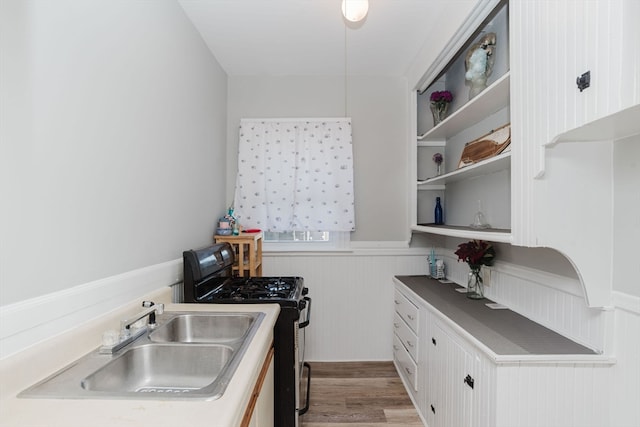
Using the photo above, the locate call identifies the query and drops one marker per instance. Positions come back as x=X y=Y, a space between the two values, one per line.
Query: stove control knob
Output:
x=302 y=304
x=305 y=290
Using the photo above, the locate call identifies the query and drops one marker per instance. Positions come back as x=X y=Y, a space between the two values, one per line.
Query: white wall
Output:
x=626 y=215
x=378 y=107
x=113 y=141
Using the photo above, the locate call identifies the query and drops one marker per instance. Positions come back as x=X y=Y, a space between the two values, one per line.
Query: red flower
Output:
x=441 y=96
x=476 y=253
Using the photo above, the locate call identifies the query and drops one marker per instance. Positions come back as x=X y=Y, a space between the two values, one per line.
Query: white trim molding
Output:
x=25 y=323
x=630 y=303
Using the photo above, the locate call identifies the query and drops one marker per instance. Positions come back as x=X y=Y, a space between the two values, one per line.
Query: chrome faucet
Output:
x=150 y=310
x=126 y=335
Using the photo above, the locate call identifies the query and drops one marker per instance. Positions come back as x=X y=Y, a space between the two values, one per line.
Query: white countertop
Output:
x=21 y=370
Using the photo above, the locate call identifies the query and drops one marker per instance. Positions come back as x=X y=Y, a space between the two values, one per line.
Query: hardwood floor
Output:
x=358 y=394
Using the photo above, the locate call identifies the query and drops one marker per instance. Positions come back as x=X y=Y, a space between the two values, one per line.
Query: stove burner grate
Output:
x=259 y=288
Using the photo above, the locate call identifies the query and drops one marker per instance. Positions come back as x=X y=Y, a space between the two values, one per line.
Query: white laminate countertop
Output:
x=27 y=367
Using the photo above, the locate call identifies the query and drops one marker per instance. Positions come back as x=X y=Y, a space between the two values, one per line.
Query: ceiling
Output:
x=310 y=37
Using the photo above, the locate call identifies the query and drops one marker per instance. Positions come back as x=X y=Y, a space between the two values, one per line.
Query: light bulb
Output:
x=355 y=10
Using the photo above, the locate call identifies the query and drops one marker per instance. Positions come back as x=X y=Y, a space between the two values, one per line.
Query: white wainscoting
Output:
x=625 y=393
x=351 y=315
x=27 y=322
x=352 y=293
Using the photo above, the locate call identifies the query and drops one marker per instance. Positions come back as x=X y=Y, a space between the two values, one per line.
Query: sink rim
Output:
x=66 y=383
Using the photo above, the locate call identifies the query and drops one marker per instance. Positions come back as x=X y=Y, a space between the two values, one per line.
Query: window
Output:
x=306 y=241
x=295 y=180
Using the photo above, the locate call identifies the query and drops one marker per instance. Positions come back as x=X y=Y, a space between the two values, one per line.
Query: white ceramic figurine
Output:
x=479 y=63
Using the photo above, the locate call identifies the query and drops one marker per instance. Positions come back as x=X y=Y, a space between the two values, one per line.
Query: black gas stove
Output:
x=286 y=291
x=208 y=279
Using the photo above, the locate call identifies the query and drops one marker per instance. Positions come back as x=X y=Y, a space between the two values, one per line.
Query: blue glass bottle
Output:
x=438 y=218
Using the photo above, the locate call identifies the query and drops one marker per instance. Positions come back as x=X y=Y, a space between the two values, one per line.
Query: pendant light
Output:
x=355 y=10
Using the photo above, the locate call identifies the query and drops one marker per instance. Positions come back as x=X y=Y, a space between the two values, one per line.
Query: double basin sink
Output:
x=189 y=355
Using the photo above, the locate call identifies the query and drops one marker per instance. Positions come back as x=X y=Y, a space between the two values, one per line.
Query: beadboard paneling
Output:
x=549 y=299
x=553 y=396
x=625 y=393
x=352 y=309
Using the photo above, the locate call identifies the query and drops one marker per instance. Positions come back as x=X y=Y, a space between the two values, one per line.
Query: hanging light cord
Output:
x=345 y=69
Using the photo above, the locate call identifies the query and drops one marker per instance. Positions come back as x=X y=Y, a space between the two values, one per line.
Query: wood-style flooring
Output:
x=358 y=394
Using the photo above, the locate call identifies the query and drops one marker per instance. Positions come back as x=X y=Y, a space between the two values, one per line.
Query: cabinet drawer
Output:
x=406 y=335
x=407 y=310
x=407 y=367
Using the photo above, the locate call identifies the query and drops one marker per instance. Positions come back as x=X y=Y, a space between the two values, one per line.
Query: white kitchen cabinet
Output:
x=260 y=412
x=563 y=166
x=408 y=348
x=405 y=340
x=452 y=371
x=555 y=187
x=460 y=189
x=493 y=368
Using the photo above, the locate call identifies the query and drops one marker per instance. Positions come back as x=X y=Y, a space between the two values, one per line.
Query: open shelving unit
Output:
x=469 y=120
x=492 y=99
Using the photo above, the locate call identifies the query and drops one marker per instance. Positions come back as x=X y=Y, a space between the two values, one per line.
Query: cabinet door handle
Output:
x=409 y=343
x=469 y=381
x=410 y=317
x=395 y=325
x=433 y=409
x=433 y=340
x=408 y=371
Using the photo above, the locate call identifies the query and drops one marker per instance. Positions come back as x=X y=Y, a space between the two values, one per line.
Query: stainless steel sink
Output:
x=161 y=368
x=190 y=355
x=203 y=328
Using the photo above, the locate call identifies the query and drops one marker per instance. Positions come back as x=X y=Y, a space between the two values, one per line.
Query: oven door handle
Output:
x=306 y=322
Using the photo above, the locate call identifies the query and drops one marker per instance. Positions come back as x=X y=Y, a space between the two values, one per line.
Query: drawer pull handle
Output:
x=469 y=381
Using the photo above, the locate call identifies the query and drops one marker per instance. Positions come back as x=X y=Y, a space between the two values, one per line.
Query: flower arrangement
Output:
x=476 y=253
x=439 y=104
x=441 y=97
x=437 y=158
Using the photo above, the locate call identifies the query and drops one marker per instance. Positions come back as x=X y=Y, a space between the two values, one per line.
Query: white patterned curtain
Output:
x=295 y=175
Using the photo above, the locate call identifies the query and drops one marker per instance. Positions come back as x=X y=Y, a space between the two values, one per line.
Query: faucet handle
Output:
x=152 y=316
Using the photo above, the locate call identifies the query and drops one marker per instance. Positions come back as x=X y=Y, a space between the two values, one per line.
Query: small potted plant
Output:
x=439 y=104
x=476 y=253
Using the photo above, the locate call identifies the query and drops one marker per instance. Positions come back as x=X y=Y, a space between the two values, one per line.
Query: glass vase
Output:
x=439 y=111
x=475 y=288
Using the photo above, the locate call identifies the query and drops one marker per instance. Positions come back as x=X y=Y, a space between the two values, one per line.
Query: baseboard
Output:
x=25 y=323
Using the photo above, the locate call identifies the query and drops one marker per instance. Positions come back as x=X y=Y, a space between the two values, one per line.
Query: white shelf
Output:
x=494 y=164
x=432 y=143
x=422 y=186
x=492 y=235
x=489 y=101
